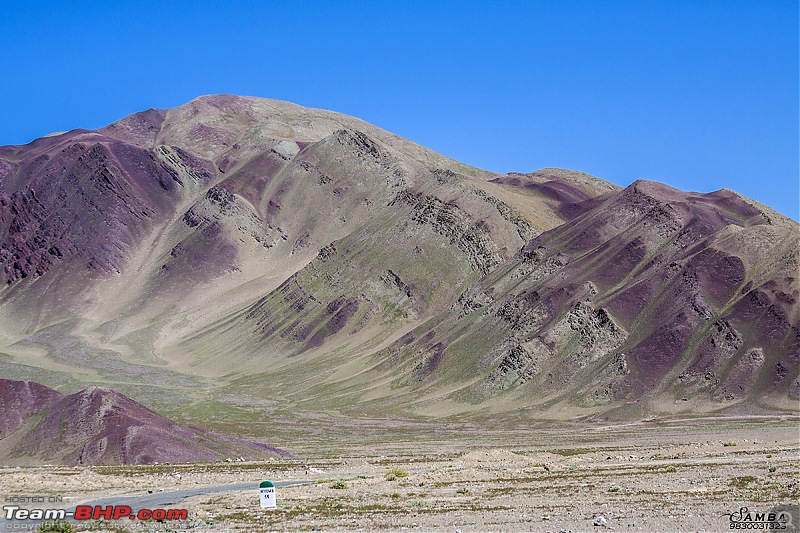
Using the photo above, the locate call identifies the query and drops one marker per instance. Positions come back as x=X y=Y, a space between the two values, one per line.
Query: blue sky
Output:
x=697 y=94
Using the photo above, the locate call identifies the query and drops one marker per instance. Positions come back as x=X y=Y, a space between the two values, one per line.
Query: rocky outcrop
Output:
x=219 y=203
x=447 y=219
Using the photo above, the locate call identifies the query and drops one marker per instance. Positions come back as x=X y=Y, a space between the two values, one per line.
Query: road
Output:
x=155 y=500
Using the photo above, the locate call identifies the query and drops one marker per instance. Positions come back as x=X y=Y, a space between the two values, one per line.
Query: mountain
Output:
x=239 y=255
x=100 y=426
x=686 y=302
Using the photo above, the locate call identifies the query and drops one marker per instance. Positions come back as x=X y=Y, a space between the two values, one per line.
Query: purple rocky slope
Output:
x=100 y=426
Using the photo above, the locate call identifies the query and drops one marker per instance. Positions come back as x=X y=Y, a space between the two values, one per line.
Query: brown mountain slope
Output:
x=125 y=243
x=651 y=300
x=239 y=250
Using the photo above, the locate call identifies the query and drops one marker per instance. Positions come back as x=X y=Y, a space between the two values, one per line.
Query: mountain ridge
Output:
x=236 y=247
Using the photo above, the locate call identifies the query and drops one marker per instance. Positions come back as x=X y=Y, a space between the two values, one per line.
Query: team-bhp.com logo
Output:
x=97 y=512
x=775 y=519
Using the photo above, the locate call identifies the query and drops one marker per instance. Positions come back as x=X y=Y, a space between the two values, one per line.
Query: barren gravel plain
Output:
x=682 y=476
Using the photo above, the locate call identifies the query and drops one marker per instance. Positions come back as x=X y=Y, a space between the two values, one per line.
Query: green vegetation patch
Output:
x=395 y=473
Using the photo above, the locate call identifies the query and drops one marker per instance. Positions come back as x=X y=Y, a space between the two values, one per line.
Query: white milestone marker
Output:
x=267 y=494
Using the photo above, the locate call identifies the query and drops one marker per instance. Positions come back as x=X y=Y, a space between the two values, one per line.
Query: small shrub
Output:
x=242 y=516
x=340 y=484
x=614 y=488
x=671 y=469
x=395 y=473
x=742 y=481
x=729 y=444
x=773 y=469
x=395 y=496
x=463 y=490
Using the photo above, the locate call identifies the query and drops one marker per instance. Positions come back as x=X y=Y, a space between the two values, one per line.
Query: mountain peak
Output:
x=260 y=251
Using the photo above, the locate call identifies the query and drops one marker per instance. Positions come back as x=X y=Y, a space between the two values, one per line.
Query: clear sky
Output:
x=699 y=94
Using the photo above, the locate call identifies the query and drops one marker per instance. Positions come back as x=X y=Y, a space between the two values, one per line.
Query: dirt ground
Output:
x=633 y=478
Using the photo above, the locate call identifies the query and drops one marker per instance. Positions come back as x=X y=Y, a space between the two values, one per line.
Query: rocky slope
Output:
x=253 y=253
x=19 y=400
x=649 y=300
x=100 y=426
